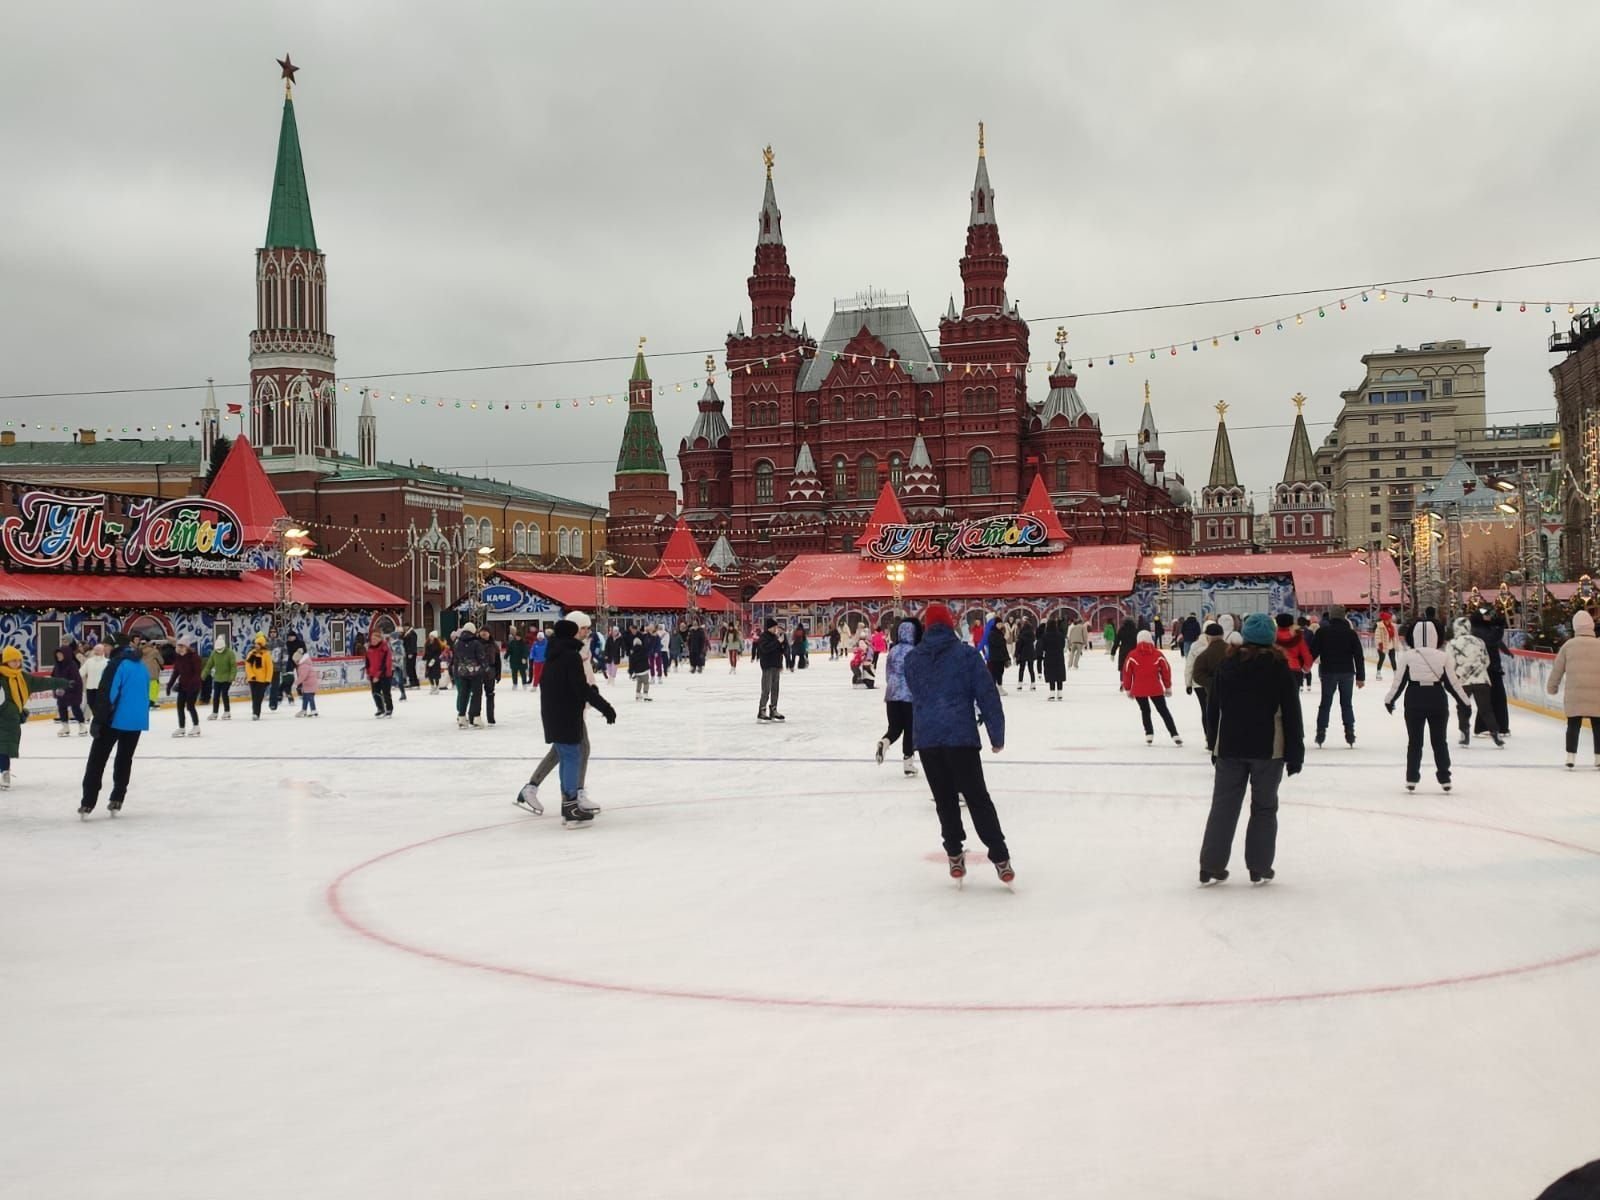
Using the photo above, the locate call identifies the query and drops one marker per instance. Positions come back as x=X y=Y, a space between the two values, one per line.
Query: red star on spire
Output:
x=288 y=68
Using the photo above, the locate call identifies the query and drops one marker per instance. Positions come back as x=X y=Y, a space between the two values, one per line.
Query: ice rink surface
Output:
x=330 y=959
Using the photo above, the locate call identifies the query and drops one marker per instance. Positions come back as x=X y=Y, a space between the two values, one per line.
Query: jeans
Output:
x=641 y=684
x=572 y=758
x=552 y=759
x=1343 y=683
x=1262 y=775
x=900 y=725
x=1575 y=727
x=953 y=772
x=1435 y=722
x=124 y=742
x=771 y=678
x=1160 y=704
x=219 y=697
x=308 y=702
x=382 y=696
x=1483 y=695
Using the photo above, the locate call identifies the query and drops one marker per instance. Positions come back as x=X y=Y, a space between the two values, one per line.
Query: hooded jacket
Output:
x=1578 y=666
x=565 y=689
x=948 y=680
x=1296 y=650
x=258 y=664
x=222 y=664
x=894 y=671
x=1425 y=677
x=1025 y=644
x=379 y=662
x=1205 y=663
x=1338 y=648
x=1254 y=701
x=1468 y=655
x=1053 y=651
x=1384 y=635
x=126 y=697
x=1146 y=673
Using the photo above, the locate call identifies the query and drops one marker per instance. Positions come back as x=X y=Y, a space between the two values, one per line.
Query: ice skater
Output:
x=258 y=674
x=185 y=682
x=1576 y=670
x=221 y=669
x=1147 y=678
x=1341 y=667
x=1077 y=642
x=94 y=670
x=897 y=698
x=306 y=680
x=949 y=681
x=639 y=669
x=121 y=717
x=1254 y=699
x=1200 y=671
x=528 y=798
x=1470 y=659
x=567 y=690
x=770 y=652
x=378 y=663
x=1053 y=646
x=69 y=700
x=1384 y=640
x=16 y=685
x=1428 y=681
x=433 y=662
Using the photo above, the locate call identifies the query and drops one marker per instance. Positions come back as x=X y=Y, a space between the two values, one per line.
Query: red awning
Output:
x=317 y=583
x=634 y=595
x=1080 y=571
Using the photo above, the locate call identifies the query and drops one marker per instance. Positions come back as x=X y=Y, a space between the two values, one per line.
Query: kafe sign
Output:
x=986 y=537
x=505 y=600
x=191 y=534
x=502 y=597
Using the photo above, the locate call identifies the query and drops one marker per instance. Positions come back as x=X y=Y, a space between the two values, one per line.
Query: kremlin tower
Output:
x=643 y=504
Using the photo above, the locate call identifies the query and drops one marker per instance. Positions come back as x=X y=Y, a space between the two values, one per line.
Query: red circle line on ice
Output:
x=334 y=897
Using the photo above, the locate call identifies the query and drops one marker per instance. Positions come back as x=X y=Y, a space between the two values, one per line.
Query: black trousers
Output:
x=469 y=698
x=519 y=674
x=1026 y=665
x=1497 y=701
x=220 y=698
x=411 y=671
x=383 y=694
x=1263 y=776
x=186 y=704
x=488 y=699
x=258 y=693
x=954 y=772
x=1575 y=727
x=1482 y=695
x=1205 y=717
x=899 y=724
x=997 y=672
x=124 y=742
x=1435 y=723
x=1160 y=703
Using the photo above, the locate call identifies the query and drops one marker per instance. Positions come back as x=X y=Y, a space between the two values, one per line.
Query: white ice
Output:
x=330 y=959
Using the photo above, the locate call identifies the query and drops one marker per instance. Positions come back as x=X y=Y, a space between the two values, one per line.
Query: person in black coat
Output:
x=770 y=653
x=1026 y=655
x=1254 y=701
x=1127 y=638
x=695 y=641
x=564 y=692
x=1053 y=656
x=1342 y=667
x=408 y=645
x=1190 y=633
x=1492 y=629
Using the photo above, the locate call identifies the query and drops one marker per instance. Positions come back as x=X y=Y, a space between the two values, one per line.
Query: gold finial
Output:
x=1222 y=409
x=980 y=139
x=642 y=340
x=711 y=364
x=767 y=157
x=1299 y=402
x=1147 y=391
x=1061 y=336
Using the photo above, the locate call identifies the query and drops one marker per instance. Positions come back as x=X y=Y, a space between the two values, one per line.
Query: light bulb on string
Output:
x=1523 y=307
x=1405 y=297
x=1364 y=297
x=1383 y=294
x=1320 y=313
x=1299 y=319
x=1547 y=308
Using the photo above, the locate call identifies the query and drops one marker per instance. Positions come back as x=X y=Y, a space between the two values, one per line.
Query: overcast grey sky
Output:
x=505 y=182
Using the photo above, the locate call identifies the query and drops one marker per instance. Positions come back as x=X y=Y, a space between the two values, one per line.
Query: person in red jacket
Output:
x=1292 y=641
x=1148 y=679
x=380 y=671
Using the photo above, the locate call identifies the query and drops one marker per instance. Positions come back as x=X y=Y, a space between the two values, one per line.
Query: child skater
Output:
x=641 y=667
x=897 y=698
x=306 y=680
x=1428 y=682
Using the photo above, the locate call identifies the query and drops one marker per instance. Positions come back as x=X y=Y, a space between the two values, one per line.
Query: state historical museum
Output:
x=815 y=429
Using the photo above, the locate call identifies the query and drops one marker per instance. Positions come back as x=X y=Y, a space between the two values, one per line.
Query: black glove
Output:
x=1294 y=768
x=611 y=717
x=1390 y=707
x=1188 y=691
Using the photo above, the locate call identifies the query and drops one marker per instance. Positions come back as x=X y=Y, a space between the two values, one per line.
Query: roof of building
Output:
x=709 y=423
x=1081 y=570
x=1063 y=400
x=641 y=373
x=919 y=455
x=641 y=446
x=1222 y=470
x=681 y=555
x=1302 y=466
x=243 y=486
x=886 y=511
x=1319 y=579
x=1038 y=505
x=572 y=591
x=982 y=194
x=1149 y=435
x=894 y=325
x=317 y=583
x=289 y=219
x=351 y=469
x=1459 y=485
x=110 y=452
x=769 y=225
x=722 y=556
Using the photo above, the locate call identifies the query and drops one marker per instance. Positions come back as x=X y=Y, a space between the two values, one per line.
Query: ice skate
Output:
x=114 y=809
x=1149 y=739
x=1260 y=878
x=1445 y=786
x=908 y=766
x=1350 y=738
x=177 y=733
x=301 y=713
x=1411 y=787
x=1207 y=878
x=1465 y=740
x=83 y=729
x=761 y=716
x=1176 y=740
x=1499 y=742
x=212 y=717
x=588 y=805
x=883 y=744
x=572 y=816
x=194 y=731
x=1572 y=761
x=64 y=732
x=461 y=722
x=958 y=866
x=777 y=716
x=5 y=781
x=83 y=813
x=1003 y=869
x=227 y=716
x=528 y=798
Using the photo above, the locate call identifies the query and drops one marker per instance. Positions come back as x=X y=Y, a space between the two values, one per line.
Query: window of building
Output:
x=1427 y=435
x=866 y=476
x=1426 y=417
x=1399 y=472
x=1426 y=453
x=841 y=477
x=432 y=573
x=338 y=638
x=1227 y=527
x=1399 y=418
x=577 y=543
x=1372 y=455
x=1373 y=419
x=1418 y=395
x=1375 y=509
x=897 y=470
x=519 y=538
x=563 y=542
x=1372 y=437
x=838 y=408
x=866 y=407
x=1400 y=455
x=1399 y=435
x=702 y=487
x=979 y=463
x=1063 y=474
x=485 y=532
x=813 y=411
x=763 y=482
x=534 y=537
x=1372 y=472
x=1211 y=531
x=1377 y=527
x=925 y=405
x=894 y=404
x=1308 y=524
x=1427 y=472
x=1447 y=387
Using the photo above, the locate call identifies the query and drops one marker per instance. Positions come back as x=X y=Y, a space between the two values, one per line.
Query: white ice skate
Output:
x=908 y=766
x=528 y=798
x=194 y=731
x=585 y=803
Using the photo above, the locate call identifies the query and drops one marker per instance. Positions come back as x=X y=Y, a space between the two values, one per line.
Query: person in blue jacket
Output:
x=948 y=681
x=122 y=714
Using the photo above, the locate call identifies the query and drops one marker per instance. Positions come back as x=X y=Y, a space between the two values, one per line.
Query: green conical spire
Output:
x=1222 y=470
x=640 y=373
x=1302 y=464
x=289 y=222
x=641 y=446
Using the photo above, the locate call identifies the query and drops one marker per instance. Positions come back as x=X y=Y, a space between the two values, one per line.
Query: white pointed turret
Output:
x=919 y=483
x=210 y=426
x=367 y=432
x=806 y=485
x=982 y=191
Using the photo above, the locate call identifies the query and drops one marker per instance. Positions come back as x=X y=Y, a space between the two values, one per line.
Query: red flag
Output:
x=235 y=409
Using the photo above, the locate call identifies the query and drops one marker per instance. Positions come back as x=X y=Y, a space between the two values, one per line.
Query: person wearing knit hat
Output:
x=1147 y=678
x=565 y=692
x=1342 y=668
x=1576 y=670
x=770 y=654
x=947 y=681
x=16 y=686
x=1254 y=703
x=258 y=673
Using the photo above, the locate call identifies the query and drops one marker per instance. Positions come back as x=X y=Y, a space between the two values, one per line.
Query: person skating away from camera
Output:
x=1027 y=655
x=1200 y=671
x=307 y=679
x=154 y=665
x=433 y=662
x=568 y=688
x=1147 y=678
x=1576 y=673
x=639 y=669
x=732 y=643
x=94 y=673
x=1053 y=648
x=396 y=656
x=1190 y=632
x=770 y=652
x=1296 y=647
x=1127 y=637
x=16 y=686
x=1255 y=702
x=408 y=651
x=258 y=674
x=1342 y=667
x=68 y=672
x=949 y=682
x=489 y=651
x=122 y=716
x=1386 y=641
x=1491 y=627
x=469 y=664
x=378 y=662
x=185 y=681
x=995 y=651
x=1428 y=682
x=552 y=760
x=1469 y=658
x=221 y=668
x=897 y=698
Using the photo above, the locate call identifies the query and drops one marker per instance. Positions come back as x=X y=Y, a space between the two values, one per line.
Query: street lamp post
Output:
x=290 y=540
x=475 y=577
x=1163 y=564
x=604 y=568
x=692 y=592
x=896 y=573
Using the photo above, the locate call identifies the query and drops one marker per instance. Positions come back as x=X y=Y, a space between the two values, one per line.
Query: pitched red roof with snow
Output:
x=886 y=511
x=637 y=595
x=1319 y=579
x=681 y=556
x=1079 y=571
x=242 y=485
x=1038 y=505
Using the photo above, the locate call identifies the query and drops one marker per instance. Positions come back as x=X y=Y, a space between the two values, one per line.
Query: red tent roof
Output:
x=1080 y=571
x=681 y=556
x=1038 y=505
x=242 y=485
x=317 y=583
x=637 y=595
x=886 y=511
x=1318 y=578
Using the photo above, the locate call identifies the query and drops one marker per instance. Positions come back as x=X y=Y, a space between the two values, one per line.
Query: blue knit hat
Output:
x=1260 y=630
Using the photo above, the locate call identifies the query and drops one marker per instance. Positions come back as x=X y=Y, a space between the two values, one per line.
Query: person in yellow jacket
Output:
x=258 y=672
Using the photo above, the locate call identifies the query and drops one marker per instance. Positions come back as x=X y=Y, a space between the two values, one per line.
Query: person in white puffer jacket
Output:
x=1428 y=682
x=1576 y=674
x=1469 y=659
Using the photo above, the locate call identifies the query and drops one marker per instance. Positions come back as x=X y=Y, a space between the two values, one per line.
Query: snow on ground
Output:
x=330 y=959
